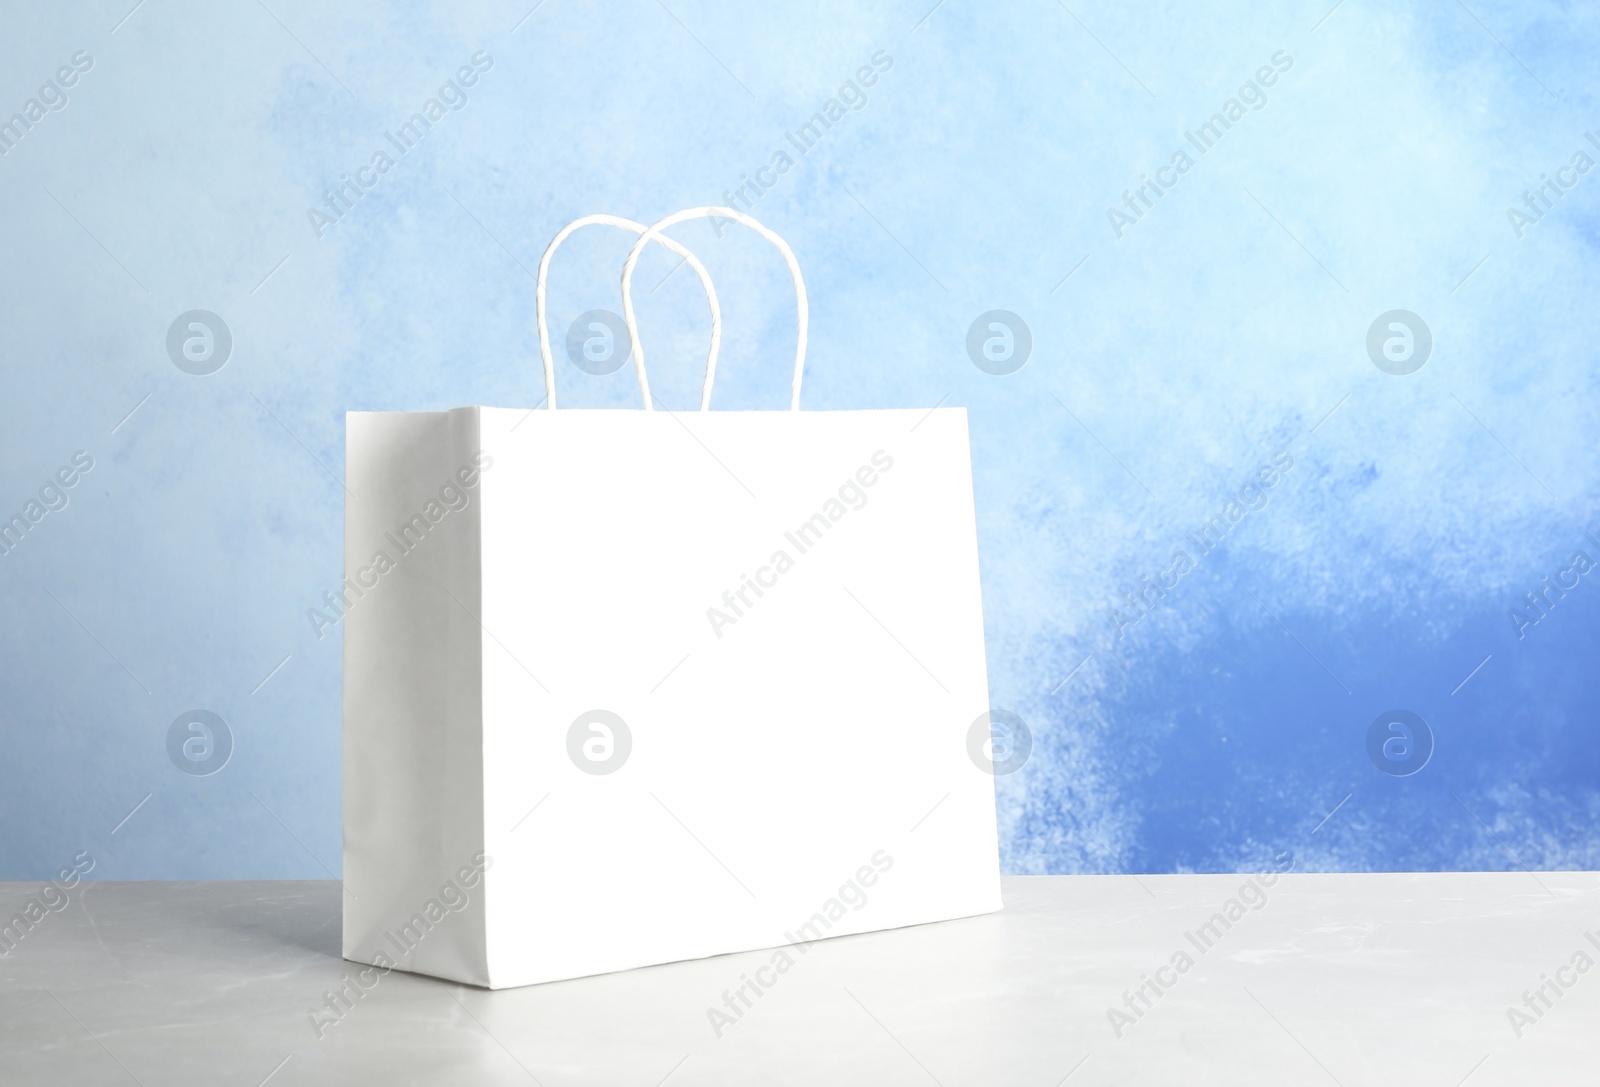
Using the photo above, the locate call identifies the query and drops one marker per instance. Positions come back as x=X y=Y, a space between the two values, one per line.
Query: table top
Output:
x=1486 y=979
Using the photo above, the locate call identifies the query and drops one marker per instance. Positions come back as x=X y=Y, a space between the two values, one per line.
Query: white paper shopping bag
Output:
x=630 y=687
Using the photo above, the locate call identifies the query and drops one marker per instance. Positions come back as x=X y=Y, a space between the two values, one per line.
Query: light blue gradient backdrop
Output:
x=1220 y=329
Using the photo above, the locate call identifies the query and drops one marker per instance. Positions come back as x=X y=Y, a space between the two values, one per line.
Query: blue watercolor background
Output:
x=1226 y=325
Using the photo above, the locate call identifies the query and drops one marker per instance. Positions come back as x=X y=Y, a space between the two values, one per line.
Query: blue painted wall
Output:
x=1198 y=307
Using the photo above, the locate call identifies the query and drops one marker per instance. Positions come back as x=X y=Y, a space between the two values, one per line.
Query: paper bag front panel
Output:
x=783 y=610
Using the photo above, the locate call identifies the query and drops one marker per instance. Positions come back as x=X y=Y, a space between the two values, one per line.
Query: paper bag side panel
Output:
x=950 y=425
x=413 y=772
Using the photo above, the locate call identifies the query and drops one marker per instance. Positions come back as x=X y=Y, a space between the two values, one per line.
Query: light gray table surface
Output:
x=1335 y=979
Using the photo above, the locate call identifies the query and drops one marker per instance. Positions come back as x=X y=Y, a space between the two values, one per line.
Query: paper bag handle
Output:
x=633 y=331
x=801 y=308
